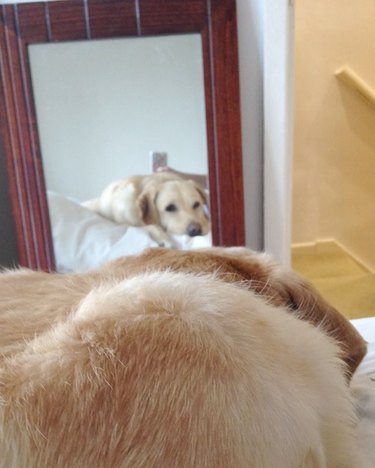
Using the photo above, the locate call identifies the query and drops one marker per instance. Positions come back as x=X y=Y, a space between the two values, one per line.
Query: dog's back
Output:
x=176 y=370
x=117 y=202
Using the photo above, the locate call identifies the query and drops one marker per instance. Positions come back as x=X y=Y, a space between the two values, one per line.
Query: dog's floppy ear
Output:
x=200 y=190
x=311 y=306
x=147 y=205
x=282 y=286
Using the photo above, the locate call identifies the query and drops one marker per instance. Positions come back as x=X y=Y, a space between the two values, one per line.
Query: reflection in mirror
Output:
x=103 y=108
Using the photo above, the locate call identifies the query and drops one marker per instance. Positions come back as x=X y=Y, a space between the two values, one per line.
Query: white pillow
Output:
x=366 y=327
x=83 y=239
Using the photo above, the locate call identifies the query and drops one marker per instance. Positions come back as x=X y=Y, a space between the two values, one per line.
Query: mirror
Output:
x=50 y=52
x=102 y=106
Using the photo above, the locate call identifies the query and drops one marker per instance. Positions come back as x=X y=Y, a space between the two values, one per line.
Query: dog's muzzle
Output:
x=194 y=229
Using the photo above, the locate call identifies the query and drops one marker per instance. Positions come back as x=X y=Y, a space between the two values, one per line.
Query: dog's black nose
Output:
x=194 y=229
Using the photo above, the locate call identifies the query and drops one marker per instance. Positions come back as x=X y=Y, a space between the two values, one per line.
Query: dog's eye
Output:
x=171 y=207
x=196 y=205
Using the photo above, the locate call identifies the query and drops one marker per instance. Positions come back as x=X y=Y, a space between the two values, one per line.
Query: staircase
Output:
x=340 y=278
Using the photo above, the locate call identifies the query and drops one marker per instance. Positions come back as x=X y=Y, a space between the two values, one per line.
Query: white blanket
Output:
x=83 y=240
x=363 y=386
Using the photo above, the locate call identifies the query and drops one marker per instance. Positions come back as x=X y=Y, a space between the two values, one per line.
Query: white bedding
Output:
x=83 y=240
x=363 y=386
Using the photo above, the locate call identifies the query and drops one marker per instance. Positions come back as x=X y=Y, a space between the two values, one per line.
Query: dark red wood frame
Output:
x=31 y=23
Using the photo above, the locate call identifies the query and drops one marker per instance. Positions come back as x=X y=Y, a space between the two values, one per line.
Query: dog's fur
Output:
x=261 y=274
x=132 y=366
x=253 y=271
x=164 y=203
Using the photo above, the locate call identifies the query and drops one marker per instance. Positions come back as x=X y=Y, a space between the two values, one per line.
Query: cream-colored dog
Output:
x=131 y=369
x=163 y=203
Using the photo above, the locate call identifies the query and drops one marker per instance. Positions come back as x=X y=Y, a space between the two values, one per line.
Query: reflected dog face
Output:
x=181 y=207
x=172 y=204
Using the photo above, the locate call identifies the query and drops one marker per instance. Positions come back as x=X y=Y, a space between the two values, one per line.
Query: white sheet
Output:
x=363 y=387
x=84 y=240
x=366 y=327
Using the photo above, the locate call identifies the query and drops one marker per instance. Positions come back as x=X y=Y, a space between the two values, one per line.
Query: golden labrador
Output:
x=37 y=291
x=138 y=365
x=163 y=203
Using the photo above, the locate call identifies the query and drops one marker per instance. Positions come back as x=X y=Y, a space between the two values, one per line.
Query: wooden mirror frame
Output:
x=68 y=20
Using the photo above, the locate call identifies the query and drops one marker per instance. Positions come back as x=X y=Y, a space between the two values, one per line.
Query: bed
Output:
x=363 y=385
x=83 y=239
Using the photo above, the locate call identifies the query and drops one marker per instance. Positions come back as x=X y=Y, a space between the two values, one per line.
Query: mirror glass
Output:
x=103 y=107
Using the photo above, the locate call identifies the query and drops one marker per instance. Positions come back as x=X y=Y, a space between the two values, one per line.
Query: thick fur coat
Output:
x=137 y=365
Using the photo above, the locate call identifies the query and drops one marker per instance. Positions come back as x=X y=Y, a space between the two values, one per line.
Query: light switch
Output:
x=158 y=159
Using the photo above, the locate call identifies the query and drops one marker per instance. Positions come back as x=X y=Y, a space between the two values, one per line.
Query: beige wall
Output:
x=334 y=162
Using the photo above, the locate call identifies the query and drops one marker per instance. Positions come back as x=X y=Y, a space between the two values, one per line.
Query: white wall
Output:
x=104 y=105
x=265 y=30
x=278 y=124
x=250 y=19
